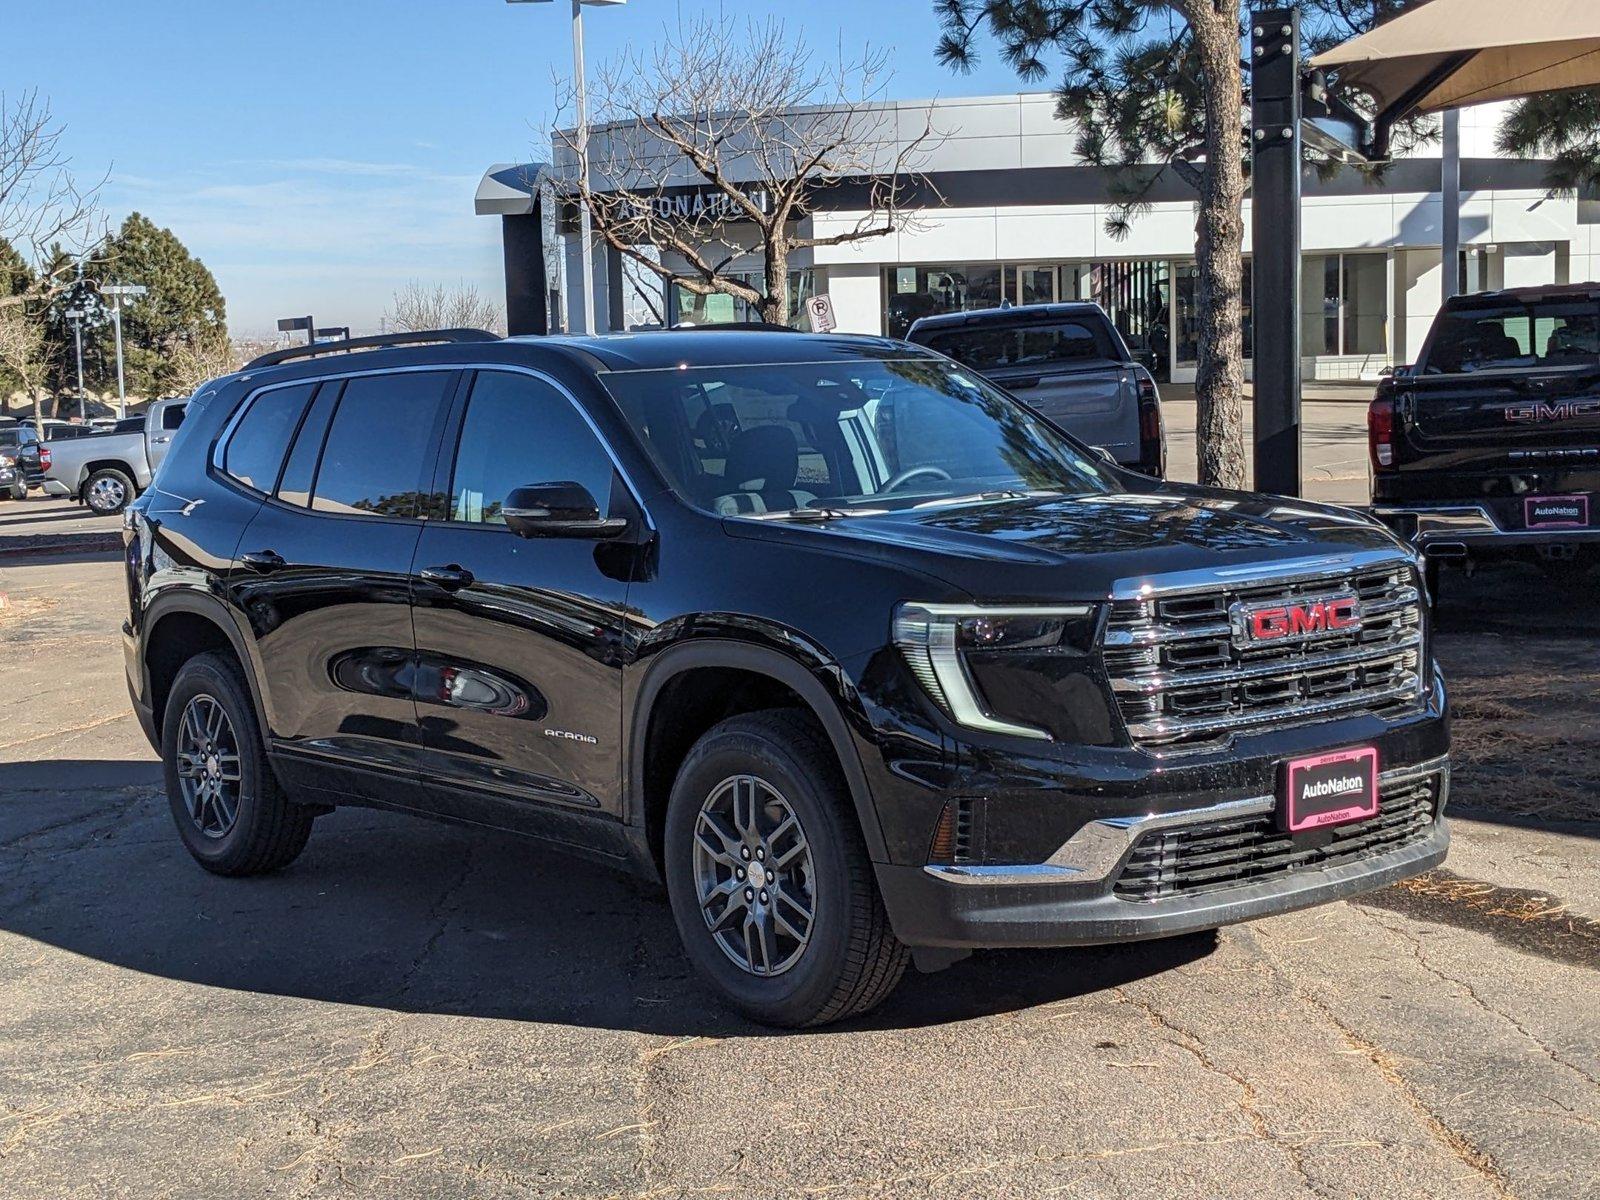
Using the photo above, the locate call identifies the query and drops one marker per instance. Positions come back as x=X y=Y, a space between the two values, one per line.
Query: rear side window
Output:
x=1025 y=345
x=520 y=431
x=256 y=450
x=381 y=444
x=301 y=470
x=1555 y=333
x=172 y=417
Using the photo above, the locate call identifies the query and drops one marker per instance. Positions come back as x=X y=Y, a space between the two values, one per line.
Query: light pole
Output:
x=117 y=291
x=586 y=287
x=76 y=315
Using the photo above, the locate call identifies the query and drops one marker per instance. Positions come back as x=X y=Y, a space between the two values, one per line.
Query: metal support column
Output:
x=1275 y=236
x=1450 y=205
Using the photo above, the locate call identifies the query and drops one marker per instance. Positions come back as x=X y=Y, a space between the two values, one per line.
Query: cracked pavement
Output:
x=423 y=1011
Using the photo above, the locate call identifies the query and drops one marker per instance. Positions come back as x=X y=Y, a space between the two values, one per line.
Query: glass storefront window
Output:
x=1366 y=303
x=1036 y=285
x=1188 y=316
x=914 y=292
x=719 y=309
x=1344 y=304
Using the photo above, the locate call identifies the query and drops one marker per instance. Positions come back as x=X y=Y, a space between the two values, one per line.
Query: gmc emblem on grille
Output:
x=1294 y=621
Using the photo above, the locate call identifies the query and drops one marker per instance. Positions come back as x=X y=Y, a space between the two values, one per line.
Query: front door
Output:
x=323 y=574
x=519 y=640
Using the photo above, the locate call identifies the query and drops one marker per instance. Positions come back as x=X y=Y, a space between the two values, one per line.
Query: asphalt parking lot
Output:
x=417 y=1010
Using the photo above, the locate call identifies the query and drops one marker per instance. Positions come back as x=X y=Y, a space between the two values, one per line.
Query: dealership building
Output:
x=1006 y=211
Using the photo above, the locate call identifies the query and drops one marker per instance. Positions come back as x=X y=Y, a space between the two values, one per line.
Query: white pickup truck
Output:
x=107 y=470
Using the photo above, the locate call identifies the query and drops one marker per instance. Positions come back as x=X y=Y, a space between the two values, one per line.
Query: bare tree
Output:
x=22 y=357
x=713 y=146
x=420 y=306
x=42 y=206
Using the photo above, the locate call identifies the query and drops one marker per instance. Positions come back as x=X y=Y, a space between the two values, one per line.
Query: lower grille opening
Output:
x=1196 y=859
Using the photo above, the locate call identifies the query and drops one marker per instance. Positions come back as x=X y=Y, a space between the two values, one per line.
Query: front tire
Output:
x=233 y=817
x=108 y=491
x=769 y=879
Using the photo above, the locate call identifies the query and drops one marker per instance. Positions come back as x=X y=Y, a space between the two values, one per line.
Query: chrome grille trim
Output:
x=1182 y=681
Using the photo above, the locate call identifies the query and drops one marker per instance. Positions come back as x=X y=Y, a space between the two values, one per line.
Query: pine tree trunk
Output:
x=1219 y=254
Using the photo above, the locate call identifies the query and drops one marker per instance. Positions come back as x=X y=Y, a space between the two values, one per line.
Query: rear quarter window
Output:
x=255 y=452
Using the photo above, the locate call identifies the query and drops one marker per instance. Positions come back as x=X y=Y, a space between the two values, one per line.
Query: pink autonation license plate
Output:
x=1331 y=789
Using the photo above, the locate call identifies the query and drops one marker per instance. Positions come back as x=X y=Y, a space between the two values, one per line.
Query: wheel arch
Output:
x=645 y=803
x=166 y=622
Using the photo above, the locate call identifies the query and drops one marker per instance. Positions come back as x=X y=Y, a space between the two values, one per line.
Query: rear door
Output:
x=323 y=574
x=520 y=640
x=1505 y=404
x=1068 y=368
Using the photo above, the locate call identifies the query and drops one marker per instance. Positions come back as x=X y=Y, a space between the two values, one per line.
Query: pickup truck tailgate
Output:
x=1097 y=403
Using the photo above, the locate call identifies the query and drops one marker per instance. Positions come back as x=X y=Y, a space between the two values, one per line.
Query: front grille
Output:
x=1192 y=859
x=1183 y=682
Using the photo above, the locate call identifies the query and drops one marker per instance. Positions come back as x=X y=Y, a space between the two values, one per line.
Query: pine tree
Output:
x=181 y=315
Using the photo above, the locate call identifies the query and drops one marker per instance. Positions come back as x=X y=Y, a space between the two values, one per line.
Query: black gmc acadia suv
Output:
x=868 y=661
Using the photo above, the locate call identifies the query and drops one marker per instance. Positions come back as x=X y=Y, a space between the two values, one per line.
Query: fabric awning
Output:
x=1452 y=53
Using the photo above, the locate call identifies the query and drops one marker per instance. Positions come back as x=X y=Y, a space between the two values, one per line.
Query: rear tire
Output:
x=233 y=817
x=849 y=960
x=108 y=491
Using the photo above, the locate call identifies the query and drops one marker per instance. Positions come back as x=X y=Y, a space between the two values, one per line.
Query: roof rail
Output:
x=374 y=342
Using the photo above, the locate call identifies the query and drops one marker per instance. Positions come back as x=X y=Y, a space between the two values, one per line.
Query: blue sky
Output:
x=318 y=155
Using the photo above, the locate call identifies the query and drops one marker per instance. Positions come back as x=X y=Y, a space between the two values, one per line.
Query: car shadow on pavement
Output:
x=393 y=912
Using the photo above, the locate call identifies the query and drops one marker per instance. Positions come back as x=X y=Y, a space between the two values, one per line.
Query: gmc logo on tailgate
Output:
x=1254 y=624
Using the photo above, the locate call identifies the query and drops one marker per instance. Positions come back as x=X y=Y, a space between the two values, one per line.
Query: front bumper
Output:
x=1454 y=529
x=1070 y=898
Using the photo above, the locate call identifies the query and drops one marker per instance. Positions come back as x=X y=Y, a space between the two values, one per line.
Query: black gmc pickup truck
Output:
x=1490 y=445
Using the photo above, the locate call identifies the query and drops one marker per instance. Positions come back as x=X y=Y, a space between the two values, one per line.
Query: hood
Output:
x=1081 y=547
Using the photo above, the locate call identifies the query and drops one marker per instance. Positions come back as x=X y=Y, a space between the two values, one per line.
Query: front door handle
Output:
x=263 y=562
x=451 y=578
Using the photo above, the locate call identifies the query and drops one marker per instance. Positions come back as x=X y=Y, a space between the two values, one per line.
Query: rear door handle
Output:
x=451 y=578
x=263 y=562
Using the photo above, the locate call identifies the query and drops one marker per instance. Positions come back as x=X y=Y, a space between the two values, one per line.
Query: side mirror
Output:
x=564 y=509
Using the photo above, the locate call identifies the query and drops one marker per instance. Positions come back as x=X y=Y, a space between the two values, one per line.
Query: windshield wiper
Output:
x=816 y=516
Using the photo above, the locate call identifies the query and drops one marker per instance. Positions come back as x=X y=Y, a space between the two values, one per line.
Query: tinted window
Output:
x=380 y=444
x=1024 y=346
x=1552 y=333
x=301 y=469
x=261 y=439
x=869 y=434
x=520 y=431
x=172 y=417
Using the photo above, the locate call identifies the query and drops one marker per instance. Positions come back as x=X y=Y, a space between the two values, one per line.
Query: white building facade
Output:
x=1011 y=213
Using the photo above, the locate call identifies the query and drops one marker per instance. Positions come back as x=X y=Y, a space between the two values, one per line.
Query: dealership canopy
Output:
x=1452 y=53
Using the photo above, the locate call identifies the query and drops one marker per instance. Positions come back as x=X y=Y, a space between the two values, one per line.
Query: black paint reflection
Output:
x=436 y=679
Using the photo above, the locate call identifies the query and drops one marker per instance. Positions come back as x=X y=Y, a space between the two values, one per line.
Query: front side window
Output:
x=874 y=434
x=520 y=431
x=381 y=444
x=260 y=441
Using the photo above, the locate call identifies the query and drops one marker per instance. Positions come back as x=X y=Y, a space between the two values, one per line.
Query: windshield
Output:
x=796 y=437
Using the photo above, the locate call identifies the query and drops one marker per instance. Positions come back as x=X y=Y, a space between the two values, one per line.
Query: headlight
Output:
x=6 y=462
x=934 y=637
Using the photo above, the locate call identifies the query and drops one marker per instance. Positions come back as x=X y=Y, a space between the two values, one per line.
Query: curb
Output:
x=65 y=543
